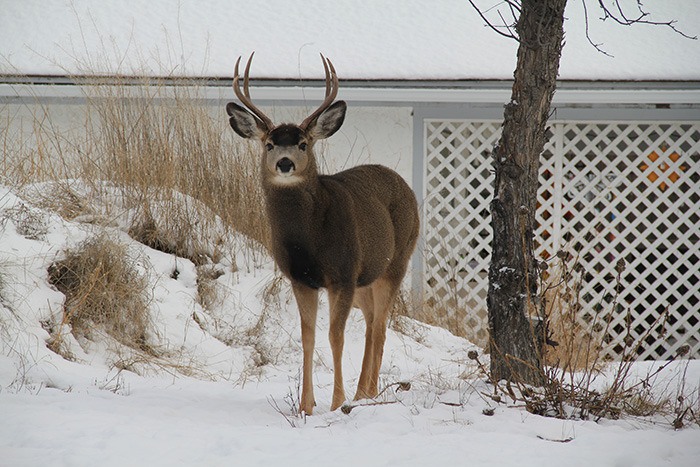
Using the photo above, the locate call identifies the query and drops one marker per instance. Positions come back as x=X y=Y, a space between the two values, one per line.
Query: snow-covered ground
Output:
x=224 y=389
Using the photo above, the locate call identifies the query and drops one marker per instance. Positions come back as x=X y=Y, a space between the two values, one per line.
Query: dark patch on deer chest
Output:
x=303 y=267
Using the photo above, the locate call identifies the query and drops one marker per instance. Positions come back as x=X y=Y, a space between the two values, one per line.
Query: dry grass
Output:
x=407 y=310
x=173 y=158
x=578 y=344
x=3 y=299
x=208 y=293
x=29 y=222
x=104 y=293
x=266 y=351
x=154 y=150
x=448 y=308
x=445 y=314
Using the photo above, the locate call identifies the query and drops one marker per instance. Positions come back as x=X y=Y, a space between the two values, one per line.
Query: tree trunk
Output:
x=516 y=333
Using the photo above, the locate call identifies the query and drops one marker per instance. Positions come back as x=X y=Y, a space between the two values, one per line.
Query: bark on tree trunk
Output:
x=516 y=335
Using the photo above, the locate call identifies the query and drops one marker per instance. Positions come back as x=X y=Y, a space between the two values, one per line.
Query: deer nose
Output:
x=285 y=165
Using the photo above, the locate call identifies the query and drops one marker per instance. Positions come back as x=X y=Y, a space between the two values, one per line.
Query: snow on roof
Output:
x=366 y=39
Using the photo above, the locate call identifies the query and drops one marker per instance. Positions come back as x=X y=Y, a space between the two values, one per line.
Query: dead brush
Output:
x=407 y=316
x=208 y=293
x=62 y=198
x=265 y=351
x=4 y=302
x=572 y=375
x=104 y=292
x=452 y=306
x=576 y=340
x=447 y=314
x=178 y=226
x=30 y=223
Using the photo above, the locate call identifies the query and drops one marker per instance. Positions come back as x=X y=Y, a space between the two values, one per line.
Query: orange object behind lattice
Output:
x=664 y=167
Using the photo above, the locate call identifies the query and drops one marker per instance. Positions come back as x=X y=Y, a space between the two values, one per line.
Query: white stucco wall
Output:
x=374 y=135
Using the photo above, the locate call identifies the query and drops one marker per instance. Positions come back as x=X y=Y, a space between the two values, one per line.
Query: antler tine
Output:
x=331 y=92
x=244 y=96
x=327 y=71
x=246 y=76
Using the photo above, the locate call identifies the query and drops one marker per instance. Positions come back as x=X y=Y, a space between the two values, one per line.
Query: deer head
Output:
x=287 y=148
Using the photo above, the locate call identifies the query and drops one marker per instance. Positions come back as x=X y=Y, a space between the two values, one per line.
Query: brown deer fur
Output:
x=351 y=233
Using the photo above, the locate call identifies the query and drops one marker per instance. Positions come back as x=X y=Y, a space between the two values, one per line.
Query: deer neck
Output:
x=292 y=206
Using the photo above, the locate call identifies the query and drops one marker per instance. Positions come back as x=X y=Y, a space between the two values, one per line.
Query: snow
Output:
x=366 y=39
x=231 y=409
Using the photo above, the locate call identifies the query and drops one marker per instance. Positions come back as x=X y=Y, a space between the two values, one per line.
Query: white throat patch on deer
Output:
x=352 y=232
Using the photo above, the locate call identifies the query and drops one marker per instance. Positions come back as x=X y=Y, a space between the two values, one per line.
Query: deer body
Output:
x=351 y=233
x=321 y=239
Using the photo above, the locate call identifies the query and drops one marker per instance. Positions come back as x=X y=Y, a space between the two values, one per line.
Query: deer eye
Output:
x=269 y=146
x=302 y=146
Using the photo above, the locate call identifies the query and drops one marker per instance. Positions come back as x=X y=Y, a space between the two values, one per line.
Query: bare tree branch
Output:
x=508 y=26
x=598 y=45
x=621 y=18
x=612 y=11
x=510 y=34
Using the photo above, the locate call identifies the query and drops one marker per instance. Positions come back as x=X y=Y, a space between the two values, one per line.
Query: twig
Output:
x=488 y=22
x=400 y=386
x=273 y=403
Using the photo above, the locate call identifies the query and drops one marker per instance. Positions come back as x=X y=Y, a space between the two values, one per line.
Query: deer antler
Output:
x=244 y=96
x=331 y=92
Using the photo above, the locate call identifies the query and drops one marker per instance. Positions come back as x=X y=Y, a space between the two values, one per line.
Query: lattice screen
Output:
x=608 y=191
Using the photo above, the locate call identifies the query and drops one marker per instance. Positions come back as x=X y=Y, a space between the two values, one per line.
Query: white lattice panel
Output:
x=457 y=230
x=608 y=191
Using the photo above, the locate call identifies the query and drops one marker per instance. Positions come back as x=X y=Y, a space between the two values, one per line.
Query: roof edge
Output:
x=354 y=83
x=369 y=92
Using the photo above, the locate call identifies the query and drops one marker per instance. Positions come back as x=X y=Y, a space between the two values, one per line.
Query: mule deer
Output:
x=351 y=233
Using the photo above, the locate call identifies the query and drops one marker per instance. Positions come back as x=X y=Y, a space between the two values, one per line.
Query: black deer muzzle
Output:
x=285 y=166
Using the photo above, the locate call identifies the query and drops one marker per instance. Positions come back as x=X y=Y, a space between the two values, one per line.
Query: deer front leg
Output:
x=307 y=302
x=340 y=304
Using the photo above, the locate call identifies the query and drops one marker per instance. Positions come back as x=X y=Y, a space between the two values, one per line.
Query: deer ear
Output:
x=244 y=123
x=329 y=121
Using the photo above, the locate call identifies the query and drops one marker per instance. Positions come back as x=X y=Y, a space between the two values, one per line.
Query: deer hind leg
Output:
x=307 y=302
x=365 y=301
x=383 y=294
x=341 y=299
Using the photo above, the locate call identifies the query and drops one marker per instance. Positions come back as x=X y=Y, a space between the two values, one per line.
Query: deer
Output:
x=351 y=233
